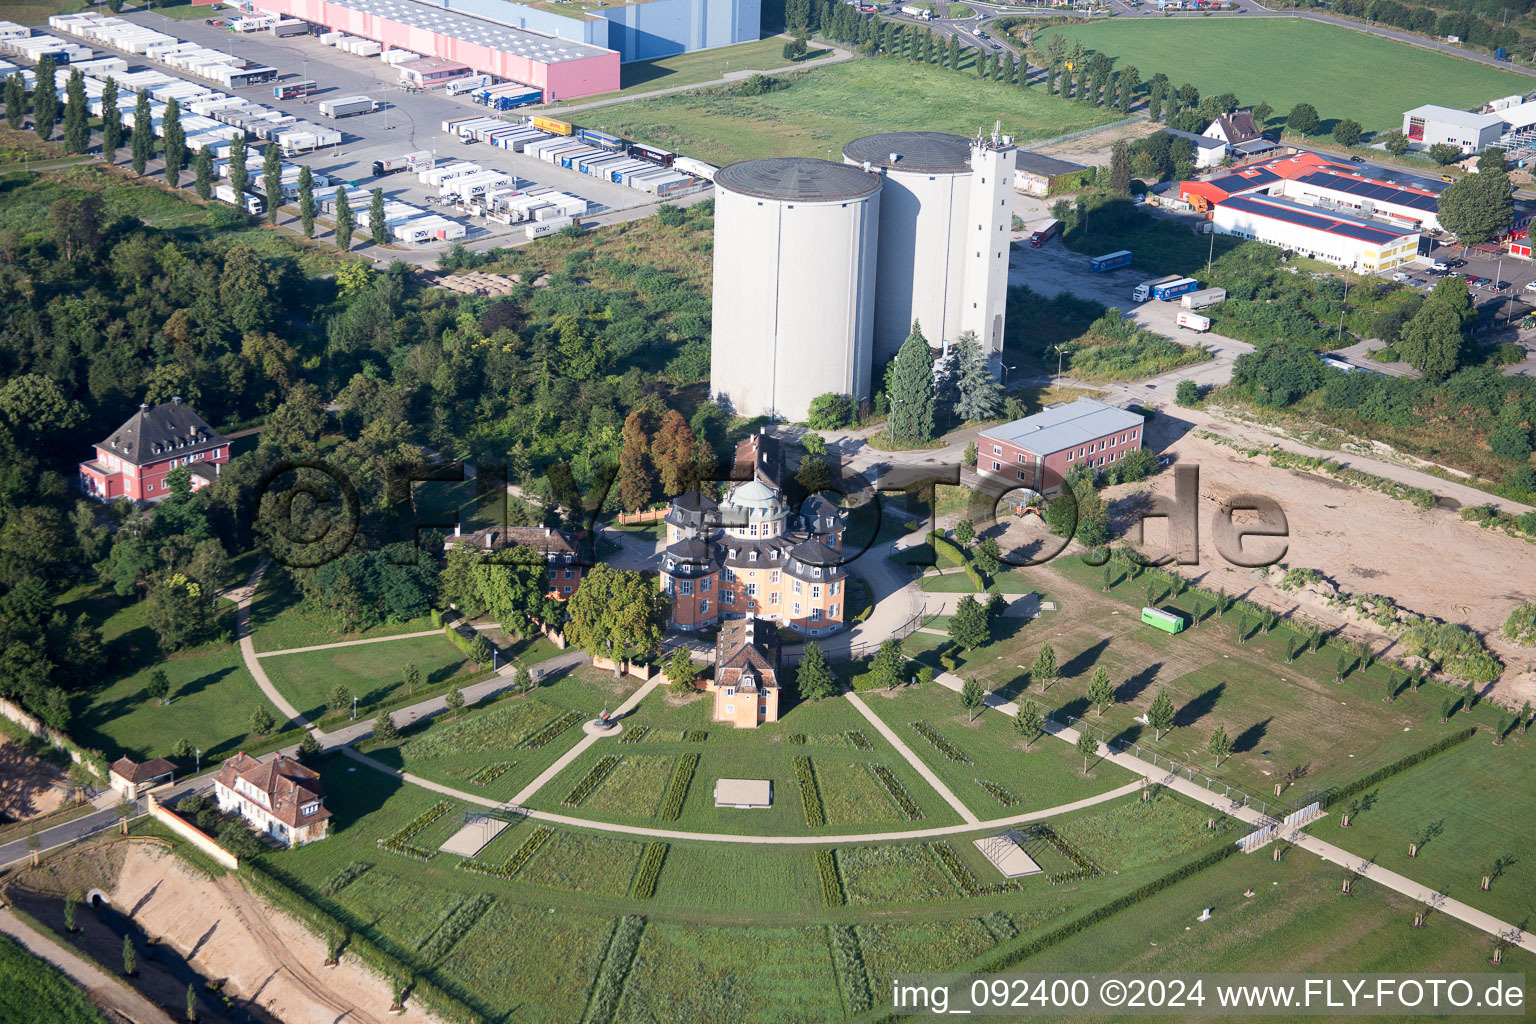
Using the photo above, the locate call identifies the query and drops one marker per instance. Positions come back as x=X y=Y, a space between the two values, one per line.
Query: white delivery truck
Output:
x=1195 y=322
x=244 y=200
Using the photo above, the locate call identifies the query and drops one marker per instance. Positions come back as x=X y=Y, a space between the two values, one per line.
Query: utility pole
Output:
x=1343 y=305
x=1211 y=253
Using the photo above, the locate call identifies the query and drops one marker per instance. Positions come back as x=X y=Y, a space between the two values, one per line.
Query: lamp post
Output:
x=1006 y=368
x=354 y=709
x=1210 y=254
x=198 y=754
x=1061 y=350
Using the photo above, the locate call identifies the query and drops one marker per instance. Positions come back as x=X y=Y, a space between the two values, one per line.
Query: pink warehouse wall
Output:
x=569 y=79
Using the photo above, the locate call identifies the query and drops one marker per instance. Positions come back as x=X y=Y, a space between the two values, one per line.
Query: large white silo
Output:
x=794 y=283
x=944 y=223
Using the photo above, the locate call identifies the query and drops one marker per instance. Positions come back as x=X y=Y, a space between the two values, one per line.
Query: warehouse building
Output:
x=1316 y=181
x=1037 y=175
x=945 y=217
x=1430 y=125
x=1328 y=235
x=794 y=282
x=637 y=29
x=562 y=68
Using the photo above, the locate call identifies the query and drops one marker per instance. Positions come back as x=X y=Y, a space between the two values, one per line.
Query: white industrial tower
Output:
x=944 y=235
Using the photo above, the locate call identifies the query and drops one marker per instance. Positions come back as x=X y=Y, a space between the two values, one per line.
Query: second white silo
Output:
x=794 y=283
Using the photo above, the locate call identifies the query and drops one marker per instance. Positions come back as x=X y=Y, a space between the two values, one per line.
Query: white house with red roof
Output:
x=134 y=459
x=279 y=796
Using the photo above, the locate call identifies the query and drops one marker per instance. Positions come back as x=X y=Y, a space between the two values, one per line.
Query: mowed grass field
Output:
x=370 y=671
x=830 y=106
x=1473 y=805
x=1282 y=62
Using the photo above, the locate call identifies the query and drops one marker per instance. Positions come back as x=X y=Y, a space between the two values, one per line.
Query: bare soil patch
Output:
x=29 y=786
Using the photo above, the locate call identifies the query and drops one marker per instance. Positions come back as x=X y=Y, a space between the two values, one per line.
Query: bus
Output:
x=294 y=90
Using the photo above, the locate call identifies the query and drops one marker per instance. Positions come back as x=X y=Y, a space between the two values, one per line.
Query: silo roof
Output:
x=798 y=178
x=920 y=152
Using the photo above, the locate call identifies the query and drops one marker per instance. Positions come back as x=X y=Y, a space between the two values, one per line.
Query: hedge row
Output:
x=610 y=977
x=962 y=876
x=832 y=893
x=490 y=773
x=1386 y=771
x=400 y=841
x=695 y=735
x=463 y=643
x=512 y=864
x=940 y=744
x=947 y=548
x=459 y=920
x=592 y=780
x=649 y=871
x=345 y=877
x=677 y=792
x=850 y=967
x=810 y=794
x=998 y=792
x=859 y=740
x=550 y=731
x=634 y=734
x=898 y=792
x=1085 y=867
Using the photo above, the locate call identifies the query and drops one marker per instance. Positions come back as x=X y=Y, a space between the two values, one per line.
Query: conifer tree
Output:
x=909 y=385
x=980 y=396
x=142 y=142
x=111 y=122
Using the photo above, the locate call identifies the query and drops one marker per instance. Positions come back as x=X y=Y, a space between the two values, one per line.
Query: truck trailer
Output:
x=1170 y=290
x=1194 y=322
x=1165 y=621
x=1043 y=233
x=244 y=200
x=1111 y=261
x=413 y=162
x=1143 y=291
x=347 y=106
x=1203 y=298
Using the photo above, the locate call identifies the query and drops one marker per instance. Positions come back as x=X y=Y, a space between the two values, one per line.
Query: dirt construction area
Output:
x=265 y=955
x=29 y=786
x=1427 y=560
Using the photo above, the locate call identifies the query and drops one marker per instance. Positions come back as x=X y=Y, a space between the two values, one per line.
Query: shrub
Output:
x=592 y=780
x=514 y=863
x=830 y=411
x=832 y=893
x=859 y=740
x=400 y=841
x=490 y=773
x=1520 y=626
x=939 y=743
x=634 y=734
x=695 y=735
x=1188 y=393
x=649 y=871
x=810 y=794
x=677 y=792
x=550 y=731
x=962 y=876
x=998 y=792
x=898 y=792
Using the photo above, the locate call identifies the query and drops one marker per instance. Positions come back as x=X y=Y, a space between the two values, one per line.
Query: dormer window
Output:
x=752 y=556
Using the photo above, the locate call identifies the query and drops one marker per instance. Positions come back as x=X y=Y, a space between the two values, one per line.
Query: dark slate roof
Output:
x=168 y=430
x=813 y=554
x=796 y=178
x=818 y=506
x=918 y=152
x=688 y=557
x=1045 y=166
x=695 y=501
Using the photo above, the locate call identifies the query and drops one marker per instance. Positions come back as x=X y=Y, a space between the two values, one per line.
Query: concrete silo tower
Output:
x=794 y=283
x=945 y=218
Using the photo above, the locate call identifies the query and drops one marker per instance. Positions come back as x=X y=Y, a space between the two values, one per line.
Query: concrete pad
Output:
x=474 y=837
x=743 y=793
x=1008 y=857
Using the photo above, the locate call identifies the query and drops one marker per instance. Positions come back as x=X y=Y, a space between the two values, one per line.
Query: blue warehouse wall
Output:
x=639 y=31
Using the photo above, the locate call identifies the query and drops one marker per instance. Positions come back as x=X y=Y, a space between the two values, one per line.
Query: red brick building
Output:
x=133 y=461
x=751 y=555
x=560 y=549
x=1037 y=451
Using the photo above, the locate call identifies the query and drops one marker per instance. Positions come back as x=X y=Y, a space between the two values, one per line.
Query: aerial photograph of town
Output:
x=767 y=511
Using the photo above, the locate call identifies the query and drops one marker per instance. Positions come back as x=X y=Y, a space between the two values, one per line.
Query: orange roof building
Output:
x=280 y=797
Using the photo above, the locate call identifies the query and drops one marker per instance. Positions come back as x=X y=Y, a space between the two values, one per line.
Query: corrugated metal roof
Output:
x=1315 y=219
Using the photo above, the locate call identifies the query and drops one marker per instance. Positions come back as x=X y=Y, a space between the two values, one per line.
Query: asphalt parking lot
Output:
x=408 y=123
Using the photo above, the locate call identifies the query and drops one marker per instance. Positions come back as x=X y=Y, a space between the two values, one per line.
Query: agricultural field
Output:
x=899 y=947
x=370 y=672
x=1289 y=724
x=1047 y=774
x=32 y=989
x=666 y=727
x=1466 y=807
x=644 y=76
x=827 y=107
x=1335 y=69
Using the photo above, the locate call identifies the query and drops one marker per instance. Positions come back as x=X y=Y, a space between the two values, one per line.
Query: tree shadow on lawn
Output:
x=355 y=795
x=88 y=733
x=1199 y=706
x=1085 y=659
x=1249 y=738
x=1134 y=685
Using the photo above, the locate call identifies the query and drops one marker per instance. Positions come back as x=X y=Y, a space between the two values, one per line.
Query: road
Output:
x=104 y=989
x=16 y=851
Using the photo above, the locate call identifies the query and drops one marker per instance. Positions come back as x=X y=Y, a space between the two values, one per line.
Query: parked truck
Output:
x=1112 y=261
x=412 y=162
x=1143 y=291
x=1044 y=233
x=244 y=200
x=1195 y=322
x=1173 y=289
x=347 y=106
x=1203 y=298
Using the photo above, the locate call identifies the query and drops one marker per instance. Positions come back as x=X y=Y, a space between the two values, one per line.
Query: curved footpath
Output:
x=1148 y=773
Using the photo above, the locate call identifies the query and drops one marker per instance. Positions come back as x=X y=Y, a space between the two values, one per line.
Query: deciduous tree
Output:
x=343 y=220
x=141 y=143
x=1161 y=714
x=1088 y=746
x=45 y=99
x=1101 y=692
x=1028 y=721
x=378 y=231
x=616 y=614
x=973 y=697
x=307 y=201
x=1303 y=119
x=272 y=180
x=970 y=627
x=77 y=129
x=202 y=170
x=1478 y=206
x=1220 y=745
x=1043 y=673
x=1347 y=132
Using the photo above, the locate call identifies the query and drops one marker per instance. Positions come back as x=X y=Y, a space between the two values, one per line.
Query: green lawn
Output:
x=1343 y=73
x=854 y=801
x=280 y=621
x=1047 y=774
x=372 y=672
x=830 y=106
x=644 y=76
x=32 y=989
x=1476 y=797
x=1296 y=922
x=212 y=697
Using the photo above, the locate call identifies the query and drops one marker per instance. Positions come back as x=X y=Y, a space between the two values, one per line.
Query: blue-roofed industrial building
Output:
x=1035 y=453
x=1325 y=234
